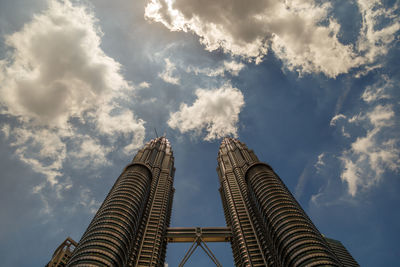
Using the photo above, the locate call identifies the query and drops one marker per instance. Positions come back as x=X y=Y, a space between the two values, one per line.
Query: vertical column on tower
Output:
x=247 y=247
x=151 y=246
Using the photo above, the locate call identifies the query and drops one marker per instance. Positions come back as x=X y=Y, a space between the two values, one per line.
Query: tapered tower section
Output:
x=248 y=248
x=129 y=229
x=279 y=229
x=150 y=249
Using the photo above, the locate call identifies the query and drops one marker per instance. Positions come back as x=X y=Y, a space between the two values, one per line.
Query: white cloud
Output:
x=320 y=162
x=42 y=149
x=231 y=67
x=300 y=32
x=336 y=118
x=216 y=111
x=6 y=130
x=367 y=69
x=381 y=116
x=378 y=151
x=368 y=159
x=87 y=201
x=374 y=39
x=123 y=124
x=144 y=85
x=168 y=74
x=57 y=69
x=56 y=73
x=345 y=133
x=88 y=151
x=378 y=91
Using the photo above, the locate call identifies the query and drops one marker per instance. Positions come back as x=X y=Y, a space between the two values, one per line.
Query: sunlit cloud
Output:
x=216 y=111
x=303 y=34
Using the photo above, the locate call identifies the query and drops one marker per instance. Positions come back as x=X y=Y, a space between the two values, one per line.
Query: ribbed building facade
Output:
x=265 y=224
x=129 y=229
x=62 y=254
x=341 y=252
x=269 y=228
x=248 y=247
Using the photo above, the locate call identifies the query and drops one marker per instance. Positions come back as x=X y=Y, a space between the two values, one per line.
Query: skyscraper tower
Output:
x=130 y=227
x=265 y=224
x=269 y=228
x=63 y=253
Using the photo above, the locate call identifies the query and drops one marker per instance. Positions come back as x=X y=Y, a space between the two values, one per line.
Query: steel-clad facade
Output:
x=266 y=226
x=130 y=227
x=269 y=228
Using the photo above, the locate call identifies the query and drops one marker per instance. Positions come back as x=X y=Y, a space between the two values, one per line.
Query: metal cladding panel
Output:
x=123 y=231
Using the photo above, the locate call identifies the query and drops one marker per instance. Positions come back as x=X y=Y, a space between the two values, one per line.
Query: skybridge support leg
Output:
x=199 y=236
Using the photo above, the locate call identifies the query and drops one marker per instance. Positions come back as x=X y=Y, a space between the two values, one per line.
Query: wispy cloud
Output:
x=42 y=149
x=302 y=33
x=87 y=200
x=6 y=130
x=369 y=156
x=320 y=162
x=216 y=111
x=337 y=118
x=378 y=91
x=87 y=151
x=231 y=67
x=168 y=75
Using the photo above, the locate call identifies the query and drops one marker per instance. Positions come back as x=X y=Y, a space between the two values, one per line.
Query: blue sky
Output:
x=311 y=86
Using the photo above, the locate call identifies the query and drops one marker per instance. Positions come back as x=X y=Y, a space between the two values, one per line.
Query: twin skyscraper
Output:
x=264 y=223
